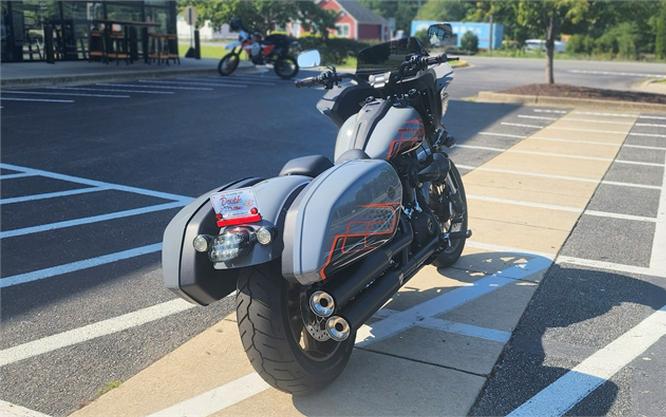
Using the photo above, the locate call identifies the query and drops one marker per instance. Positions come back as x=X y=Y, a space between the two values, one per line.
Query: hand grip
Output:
x=307 y=82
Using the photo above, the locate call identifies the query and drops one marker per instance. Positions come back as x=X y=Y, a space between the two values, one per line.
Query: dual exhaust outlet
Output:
x=322 y=304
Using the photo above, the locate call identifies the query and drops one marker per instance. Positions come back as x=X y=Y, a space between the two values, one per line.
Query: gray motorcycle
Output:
x=316 y=251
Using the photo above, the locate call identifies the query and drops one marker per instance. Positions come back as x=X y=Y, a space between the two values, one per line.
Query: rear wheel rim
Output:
x=298 y=312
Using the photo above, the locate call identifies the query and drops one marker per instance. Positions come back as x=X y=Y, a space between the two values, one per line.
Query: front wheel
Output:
x=452 y=217
x=228 y=64
x=271 y=314
x=286 y=68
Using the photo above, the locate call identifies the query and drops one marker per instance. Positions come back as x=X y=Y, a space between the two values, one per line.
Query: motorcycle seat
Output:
x=310 y=166
x=351 y=155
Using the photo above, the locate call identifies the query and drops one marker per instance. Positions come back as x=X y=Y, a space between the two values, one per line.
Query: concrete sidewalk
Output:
x=22 y=74
x=432 y=348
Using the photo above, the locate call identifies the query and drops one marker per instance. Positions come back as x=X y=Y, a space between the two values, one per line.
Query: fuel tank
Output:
x=342 y=215
x=383 y=130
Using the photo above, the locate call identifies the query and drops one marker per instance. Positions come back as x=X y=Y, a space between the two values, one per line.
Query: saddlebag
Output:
x=191 y=274
x=342 y=215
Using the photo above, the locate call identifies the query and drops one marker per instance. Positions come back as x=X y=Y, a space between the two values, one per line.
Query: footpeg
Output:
x=463 y=234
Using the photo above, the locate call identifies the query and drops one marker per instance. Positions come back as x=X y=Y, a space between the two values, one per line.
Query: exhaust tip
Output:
x=322 y=304
x=338 y=328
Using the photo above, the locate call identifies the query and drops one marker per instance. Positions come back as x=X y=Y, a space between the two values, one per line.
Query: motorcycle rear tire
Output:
x=286 y=68
x=262 y=313
x=228 y=68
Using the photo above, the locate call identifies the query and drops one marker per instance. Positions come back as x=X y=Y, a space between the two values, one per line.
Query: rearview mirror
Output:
x=439 y=32
x=309 y=59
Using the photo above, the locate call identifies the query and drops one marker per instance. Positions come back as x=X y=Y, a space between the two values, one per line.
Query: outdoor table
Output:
x=130 y=29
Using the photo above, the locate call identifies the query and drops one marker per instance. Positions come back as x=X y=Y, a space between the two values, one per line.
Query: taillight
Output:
x=252 y=216
x=231 y=244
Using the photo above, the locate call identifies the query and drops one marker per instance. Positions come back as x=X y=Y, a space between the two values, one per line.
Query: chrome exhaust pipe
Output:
x=322 y=304
x=338 y=328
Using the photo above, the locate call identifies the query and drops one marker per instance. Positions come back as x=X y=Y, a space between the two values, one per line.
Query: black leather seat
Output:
x=310 y=166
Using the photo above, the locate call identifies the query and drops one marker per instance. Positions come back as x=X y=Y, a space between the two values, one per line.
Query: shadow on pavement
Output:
x=574 y=313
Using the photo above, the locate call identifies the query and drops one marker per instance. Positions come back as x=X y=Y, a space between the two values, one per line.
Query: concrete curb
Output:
x=490 y=96
x=77 y=79
x=652 y=86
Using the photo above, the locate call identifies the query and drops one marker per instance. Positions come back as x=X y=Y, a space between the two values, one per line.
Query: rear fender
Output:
x=190 y=274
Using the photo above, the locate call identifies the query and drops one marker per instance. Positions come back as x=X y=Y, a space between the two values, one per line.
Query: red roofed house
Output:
x=356 y=21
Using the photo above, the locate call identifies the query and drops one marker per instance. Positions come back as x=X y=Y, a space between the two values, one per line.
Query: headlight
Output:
x=231 y=244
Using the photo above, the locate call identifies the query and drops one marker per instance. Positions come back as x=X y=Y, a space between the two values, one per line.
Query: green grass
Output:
x=662 y=81
x=208 y=50
x=108 y=387
x=519 y=53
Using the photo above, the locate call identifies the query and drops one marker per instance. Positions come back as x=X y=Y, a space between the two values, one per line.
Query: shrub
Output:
x=580 y=44
x=470 y=42
x=422 y=35
x=333 y=51
x=620 y=40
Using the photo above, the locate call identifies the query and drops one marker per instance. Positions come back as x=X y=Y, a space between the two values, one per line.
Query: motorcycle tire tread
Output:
x=446 y=259
x=263 y=336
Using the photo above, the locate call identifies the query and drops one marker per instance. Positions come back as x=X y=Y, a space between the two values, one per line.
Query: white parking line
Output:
x=522 y=125
x=164 y=87
x=550 y=111
x=526 y=116
x=658 y=255
x=92 y=331
x=650 y=125
x=70 y=94
x=229 y=81
x=609 y=266
x=448 y=301
x=556 y=177
x=560 y=155
x=110 y=90
x=95 y=183
x=12 y=410
x=55 y=194
x=244 y=78
x=87 y=220
x=503 y=135
x=613 y=73
x=36 y=100
x=533 y=204
x=187 y=83
x=464 y=329
x=17 y=175
x=240 y=389
x=591 y=113
x=653 y=148
x=78 y=265
x=217 y=399
x=449 y=326
x=567 y=391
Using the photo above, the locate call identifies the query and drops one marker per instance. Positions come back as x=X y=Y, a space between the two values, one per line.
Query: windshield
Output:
x=386 y=56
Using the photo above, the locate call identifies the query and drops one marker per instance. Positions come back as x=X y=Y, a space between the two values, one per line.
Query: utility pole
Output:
x=490 y=46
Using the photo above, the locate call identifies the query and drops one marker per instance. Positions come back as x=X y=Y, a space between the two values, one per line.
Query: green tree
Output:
x=445 y=10
x=660 y=35
x=264 y=15
x=470 y=42
x=402 y=10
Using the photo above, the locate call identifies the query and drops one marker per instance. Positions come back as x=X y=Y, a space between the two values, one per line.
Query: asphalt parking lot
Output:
x=91 y=175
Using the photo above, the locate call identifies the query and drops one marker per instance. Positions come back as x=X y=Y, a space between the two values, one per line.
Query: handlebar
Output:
x=331 y=78
x=327 y=79
x=307 y=82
